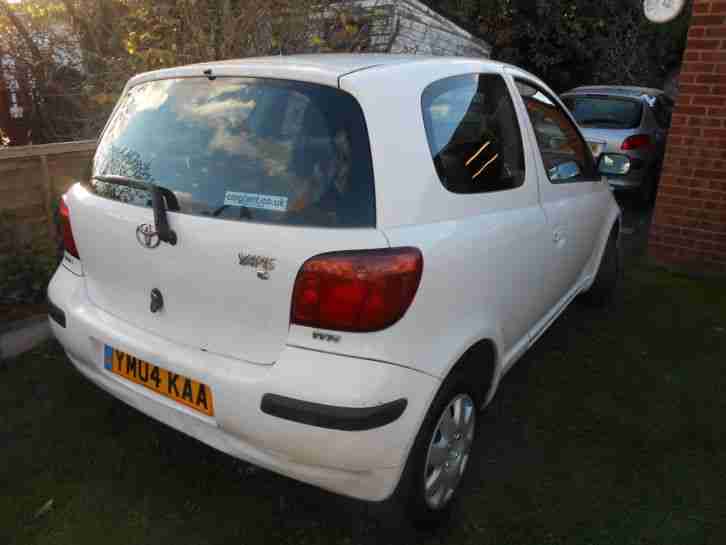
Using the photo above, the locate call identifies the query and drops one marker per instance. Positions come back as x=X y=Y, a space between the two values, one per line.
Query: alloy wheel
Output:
x=449 y=451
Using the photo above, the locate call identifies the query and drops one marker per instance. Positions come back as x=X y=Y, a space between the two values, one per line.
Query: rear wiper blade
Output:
x=162 y=199
x=127 y=181
x=171 y=201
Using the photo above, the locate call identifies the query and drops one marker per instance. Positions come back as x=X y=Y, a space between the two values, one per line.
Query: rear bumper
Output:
x=625 y=184
x=341 y=423
x=630 y=182
x=330 y=416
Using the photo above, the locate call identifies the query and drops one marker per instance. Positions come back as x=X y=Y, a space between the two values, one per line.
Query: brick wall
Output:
x=689 y=226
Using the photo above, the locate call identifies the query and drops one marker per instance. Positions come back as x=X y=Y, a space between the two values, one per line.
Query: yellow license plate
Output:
x=179 y=388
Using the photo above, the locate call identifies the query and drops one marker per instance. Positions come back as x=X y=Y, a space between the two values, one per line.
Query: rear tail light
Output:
x=69 y=242
x=356 y=291
x=637 y=141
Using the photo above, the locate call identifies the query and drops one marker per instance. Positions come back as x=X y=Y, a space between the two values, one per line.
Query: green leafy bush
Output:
x=27 y=269
x=24 y=277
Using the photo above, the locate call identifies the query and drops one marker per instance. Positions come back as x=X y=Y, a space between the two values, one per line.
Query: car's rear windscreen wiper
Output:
x=161 y=200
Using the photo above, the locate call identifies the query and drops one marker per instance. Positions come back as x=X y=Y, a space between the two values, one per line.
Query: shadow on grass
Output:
x=610 y=430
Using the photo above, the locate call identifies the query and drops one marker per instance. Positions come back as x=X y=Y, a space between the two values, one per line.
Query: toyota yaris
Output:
x=324 y=265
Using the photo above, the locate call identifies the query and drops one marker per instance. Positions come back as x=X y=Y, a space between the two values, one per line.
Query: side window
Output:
x=565 y=155
x=473 y=134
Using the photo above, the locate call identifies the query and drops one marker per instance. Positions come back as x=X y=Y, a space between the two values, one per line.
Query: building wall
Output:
x=689 y=225
x=409 y=26
x=423 y=31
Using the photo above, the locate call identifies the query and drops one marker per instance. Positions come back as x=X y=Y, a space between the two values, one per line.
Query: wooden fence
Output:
x=32 y=178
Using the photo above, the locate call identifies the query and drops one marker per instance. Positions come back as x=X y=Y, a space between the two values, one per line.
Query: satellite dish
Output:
x=662 y=11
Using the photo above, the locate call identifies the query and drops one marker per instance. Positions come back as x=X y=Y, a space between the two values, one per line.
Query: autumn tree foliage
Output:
x=74 y=56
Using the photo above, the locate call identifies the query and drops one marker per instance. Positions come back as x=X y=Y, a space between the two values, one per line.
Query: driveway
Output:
x=636 y=223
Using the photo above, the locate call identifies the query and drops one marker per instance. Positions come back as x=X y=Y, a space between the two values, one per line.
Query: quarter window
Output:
x=473 y=134
x=564 y=152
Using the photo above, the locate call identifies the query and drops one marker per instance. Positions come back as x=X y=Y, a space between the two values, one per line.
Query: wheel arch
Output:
x=615 y=227
x=480 y=360
x=614 y=223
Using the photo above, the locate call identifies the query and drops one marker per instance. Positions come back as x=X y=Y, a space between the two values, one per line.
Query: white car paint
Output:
x=498 y=267
x=254 y=329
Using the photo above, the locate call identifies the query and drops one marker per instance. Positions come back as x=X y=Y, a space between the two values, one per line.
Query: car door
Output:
x=572 y=194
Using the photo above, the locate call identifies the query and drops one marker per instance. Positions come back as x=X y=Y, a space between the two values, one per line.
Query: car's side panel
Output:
x=485 y=255
x=475 y=285
x=577 y=214
x=613 y=221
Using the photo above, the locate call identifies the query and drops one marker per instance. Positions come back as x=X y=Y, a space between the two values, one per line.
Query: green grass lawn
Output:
x=612 y=430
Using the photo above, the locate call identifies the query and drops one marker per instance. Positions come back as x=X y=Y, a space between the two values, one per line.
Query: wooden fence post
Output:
x=26 y=167
x=48 y=190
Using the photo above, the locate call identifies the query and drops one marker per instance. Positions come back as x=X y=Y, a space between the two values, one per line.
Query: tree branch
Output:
x=81 y=24
x=22 y=30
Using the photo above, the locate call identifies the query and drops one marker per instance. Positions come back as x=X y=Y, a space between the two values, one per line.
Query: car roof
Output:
x=338 y=64
x=616 y=90
x=325 y=68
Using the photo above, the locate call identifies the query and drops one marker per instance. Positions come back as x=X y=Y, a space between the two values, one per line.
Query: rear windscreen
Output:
x=611 y=113
x=245 y=149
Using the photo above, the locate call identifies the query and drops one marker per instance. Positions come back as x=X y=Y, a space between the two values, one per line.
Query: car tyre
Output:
x=609 y=275
x=441 y=454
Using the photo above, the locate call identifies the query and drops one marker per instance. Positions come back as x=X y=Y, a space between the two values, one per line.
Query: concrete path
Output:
x=19 y=337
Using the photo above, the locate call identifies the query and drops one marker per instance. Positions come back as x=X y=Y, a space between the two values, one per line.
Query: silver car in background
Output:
x=626 y=121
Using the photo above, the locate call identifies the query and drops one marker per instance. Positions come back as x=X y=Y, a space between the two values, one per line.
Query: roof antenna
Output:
x=209 y=74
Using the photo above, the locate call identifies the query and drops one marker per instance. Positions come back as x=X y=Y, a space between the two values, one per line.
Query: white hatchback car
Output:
x=324 y=265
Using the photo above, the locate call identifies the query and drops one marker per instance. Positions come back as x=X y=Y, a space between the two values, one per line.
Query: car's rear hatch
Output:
x=606 y=121
x=263 y=174
x=607 y=140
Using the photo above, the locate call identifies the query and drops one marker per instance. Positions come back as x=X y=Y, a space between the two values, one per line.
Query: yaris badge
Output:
x=262 y=264
x=147 y=236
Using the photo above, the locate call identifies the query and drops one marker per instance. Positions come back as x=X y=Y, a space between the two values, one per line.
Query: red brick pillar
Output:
x=689 y=225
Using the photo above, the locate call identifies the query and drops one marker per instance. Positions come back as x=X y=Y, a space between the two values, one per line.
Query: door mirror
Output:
x=613 y=164
x=564 y=171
